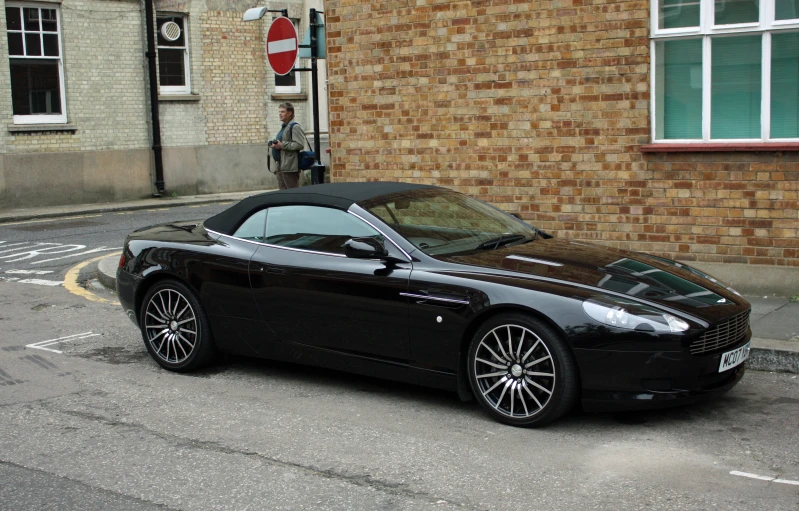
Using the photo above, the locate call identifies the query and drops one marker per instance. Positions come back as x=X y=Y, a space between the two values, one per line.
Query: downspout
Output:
x=156 y=121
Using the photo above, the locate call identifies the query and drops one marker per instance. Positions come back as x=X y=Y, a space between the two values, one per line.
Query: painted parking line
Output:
x=30 y=272
x=42 y=345
x=764 y=478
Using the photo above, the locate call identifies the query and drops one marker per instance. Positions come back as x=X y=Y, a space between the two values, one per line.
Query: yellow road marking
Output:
x=51 y=219
x=71 y=281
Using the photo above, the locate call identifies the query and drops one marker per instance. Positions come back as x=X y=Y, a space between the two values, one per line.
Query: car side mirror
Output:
x=364 y=248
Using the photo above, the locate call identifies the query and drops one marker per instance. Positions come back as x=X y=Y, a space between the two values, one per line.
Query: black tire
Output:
x=521 y=371
x=175 y=328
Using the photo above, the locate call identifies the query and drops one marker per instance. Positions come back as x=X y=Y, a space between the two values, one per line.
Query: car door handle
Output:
x=271 y=269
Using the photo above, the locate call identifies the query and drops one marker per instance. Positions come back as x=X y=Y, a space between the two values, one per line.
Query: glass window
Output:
x=786 y=9
x=735 y=87
x=439 y=222
x=678 y=14
x=733 y=76
x=315 y=228
x=289 y=82
x=731 y=12
x=679 y=66
x=173 y=55
x=785 y=85
x=37 y=77
x=253 y=228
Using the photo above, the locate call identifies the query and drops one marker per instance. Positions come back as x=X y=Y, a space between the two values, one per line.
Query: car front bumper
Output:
x=613 y=380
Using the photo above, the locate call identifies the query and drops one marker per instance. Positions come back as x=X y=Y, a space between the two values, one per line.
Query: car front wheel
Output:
x=175 y=328
x=521 y=371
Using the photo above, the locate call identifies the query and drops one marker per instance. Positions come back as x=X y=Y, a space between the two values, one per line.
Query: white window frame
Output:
x=766 y=26
x=291 y=89
x=42 y=118
x=176 y=89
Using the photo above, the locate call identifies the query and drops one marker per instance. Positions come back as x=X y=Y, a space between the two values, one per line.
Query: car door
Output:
x=311 y=294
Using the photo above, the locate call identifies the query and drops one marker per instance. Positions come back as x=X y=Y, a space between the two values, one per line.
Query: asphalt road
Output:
x=92 y=423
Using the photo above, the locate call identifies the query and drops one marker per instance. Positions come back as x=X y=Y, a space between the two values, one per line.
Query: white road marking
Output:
x=282 y=46
x=101 y=249
x=41 y=282
x=764 y=478
x=16 y=245
x=30 y=272
x=41 y=345
x=31 y=252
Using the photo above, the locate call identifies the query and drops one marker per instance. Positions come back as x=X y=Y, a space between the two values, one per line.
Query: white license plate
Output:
x=735 y=357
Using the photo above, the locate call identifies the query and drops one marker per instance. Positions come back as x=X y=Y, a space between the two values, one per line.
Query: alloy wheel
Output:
x=171 y=326
x=514 y=371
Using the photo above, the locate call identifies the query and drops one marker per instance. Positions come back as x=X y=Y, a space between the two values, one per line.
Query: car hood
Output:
x=648 y=278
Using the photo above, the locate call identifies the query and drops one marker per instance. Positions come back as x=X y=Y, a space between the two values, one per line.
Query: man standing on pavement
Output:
x=285 y=148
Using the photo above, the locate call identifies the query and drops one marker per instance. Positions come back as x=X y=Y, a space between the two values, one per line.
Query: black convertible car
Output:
x=425 y=285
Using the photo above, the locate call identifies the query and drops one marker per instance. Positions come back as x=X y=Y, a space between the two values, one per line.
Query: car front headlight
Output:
x=632 y=316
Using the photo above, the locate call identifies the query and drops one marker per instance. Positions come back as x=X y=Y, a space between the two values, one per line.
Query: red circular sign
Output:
x=281 y=46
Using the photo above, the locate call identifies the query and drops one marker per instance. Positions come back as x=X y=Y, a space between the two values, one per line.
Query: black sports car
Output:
x=425 y=285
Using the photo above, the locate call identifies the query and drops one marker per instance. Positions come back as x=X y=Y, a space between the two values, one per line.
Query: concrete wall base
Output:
x=54 y=179
x=754 y=279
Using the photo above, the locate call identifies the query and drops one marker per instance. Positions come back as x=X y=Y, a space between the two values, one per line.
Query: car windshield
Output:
x=442 y=222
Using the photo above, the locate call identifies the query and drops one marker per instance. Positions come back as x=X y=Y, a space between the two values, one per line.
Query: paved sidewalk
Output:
x=20 y=215
x=774 y=320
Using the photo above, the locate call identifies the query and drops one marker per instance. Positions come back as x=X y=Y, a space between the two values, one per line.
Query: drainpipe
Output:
x=156 y=121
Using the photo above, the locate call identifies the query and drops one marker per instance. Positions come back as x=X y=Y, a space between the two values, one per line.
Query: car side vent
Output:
x=725 y=334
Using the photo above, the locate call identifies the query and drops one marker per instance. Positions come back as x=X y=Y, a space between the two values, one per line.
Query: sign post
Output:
x=281 y=50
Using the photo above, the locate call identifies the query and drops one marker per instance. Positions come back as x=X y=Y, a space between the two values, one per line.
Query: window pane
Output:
x=49 y=23
x=15 y=44
x=253 y=228
x=35 y=87
x=679 y=72
x=170 y=67
x=314 y=228
x=786 y=9
x=31 y=16
x=729 y=12
x=50 y=45
x=678 y=13
x=13 y=20
x=735 y=87
x=287 y=80
x=33 y=45
x=785 y=85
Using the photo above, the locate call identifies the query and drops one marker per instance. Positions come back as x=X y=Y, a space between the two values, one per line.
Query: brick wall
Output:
x=541 y=108
x=103 y=54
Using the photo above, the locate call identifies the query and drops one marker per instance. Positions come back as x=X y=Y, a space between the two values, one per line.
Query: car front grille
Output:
x=726 y=333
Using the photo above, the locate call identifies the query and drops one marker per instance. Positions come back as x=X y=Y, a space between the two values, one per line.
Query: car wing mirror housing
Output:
x=364 y=248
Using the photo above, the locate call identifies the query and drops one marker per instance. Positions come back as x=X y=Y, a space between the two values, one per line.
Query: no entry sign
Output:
x=281 y=45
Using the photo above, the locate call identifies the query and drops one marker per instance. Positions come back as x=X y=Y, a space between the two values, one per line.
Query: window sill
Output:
x=721 y=147
x=295 y=97
x=31 y=128
x=178 y=97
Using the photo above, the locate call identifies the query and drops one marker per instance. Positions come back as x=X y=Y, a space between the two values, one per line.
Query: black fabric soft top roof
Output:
x=335 y=195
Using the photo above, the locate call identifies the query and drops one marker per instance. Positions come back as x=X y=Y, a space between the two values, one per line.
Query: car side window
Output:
x=315 y=228
x=253 y=228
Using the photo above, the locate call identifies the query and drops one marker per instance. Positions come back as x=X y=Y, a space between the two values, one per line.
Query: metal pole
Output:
x=159 y=164
x=317 y=169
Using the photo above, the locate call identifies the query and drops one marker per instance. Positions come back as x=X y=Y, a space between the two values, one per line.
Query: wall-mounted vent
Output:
x=170 y=31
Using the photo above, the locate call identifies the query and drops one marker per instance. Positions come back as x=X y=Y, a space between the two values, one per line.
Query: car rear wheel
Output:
x=175 y=328
x=521 y=371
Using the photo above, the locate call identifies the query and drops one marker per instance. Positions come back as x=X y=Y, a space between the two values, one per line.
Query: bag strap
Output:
x=305 y=139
